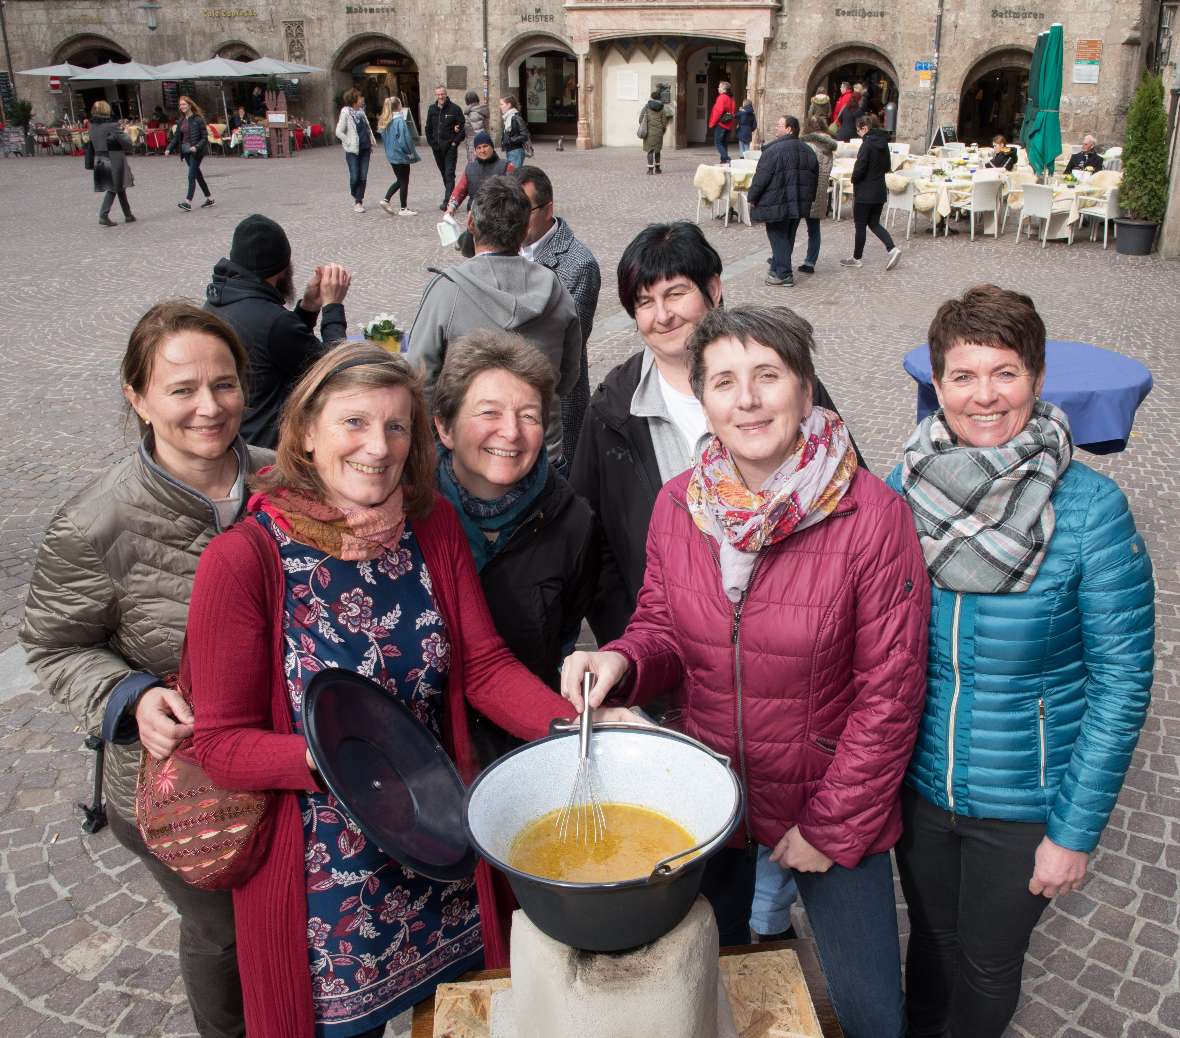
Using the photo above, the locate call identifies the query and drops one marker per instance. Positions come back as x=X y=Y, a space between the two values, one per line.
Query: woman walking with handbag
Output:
x=721 y=120
x=107 y=155
x=108 y=600
x=191 y=140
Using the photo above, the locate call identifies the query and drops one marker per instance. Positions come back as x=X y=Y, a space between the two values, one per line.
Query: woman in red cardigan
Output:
x=348 y=559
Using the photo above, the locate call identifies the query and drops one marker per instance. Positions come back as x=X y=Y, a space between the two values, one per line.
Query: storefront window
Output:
x=549 y=85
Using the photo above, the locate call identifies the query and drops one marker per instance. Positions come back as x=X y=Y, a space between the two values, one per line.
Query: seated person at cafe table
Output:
x=1087 y=160
x=786 y=604
x=1003 y=156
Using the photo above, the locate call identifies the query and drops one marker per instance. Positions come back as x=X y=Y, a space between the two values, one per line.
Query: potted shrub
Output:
x=20 y=113
x=1143 y=194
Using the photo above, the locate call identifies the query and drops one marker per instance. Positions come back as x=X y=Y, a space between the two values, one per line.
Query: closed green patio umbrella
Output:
x=1041 y=133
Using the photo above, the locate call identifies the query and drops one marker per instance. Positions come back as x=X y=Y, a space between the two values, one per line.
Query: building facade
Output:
x=583 y=68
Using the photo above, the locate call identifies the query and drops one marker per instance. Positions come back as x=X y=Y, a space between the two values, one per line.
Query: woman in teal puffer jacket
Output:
x=1041 y=651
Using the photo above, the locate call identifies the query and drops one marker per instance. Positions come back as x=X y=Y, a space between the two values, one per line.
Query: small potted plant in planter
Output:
x=1143 y=193
x=383 y=330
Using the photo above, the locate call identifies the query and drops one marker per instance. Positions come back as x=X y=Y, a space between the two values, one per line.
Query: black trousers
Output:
x=445 y=159
x=208 y=947
x=195 y=177
x=867 y=216
x=653 y=157
x=401 y=182
x=109 y=199
x=971 y=917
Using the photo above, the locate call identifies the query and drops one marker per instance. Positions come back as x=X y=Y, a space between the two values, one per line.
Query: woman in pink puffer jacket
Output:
x=785 y=598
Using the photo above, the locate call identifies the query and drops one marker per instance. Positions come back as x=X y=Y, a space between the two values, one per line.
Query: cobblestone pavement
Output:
x=86 y=947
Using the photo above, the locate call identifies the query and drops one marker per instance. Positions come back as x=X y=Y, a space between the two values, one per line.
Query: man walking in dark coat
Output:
x=444 y=134
x=781 y=194
x=250 y=290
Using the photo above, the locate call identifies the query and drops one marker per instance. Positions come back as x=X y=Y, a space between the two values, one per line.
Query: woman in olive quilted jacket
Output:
x=108 y=600
x=1042 y=630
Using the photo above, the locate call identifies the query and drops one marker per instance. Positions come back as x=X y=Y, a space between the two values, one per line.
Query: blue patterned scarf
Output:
x=499 y=517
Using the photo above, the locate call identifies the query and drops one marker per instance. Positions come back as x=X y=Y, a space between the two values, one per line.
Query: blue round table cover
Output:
x=1099 y=390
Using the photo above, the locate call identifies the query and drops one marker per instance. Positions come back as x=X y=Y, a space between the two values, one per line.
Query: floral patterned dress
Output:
x=380 y=937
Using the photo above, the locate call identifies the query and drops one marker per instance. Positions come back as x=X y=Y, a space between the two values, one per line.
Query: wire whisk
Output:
x=582 y=819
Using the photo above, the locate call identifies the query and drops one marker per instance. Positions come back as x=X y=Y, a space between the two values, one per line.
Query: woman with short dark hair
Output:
x=784 y=609
x=644 y=424
x=1041 y=653
x=109 y=596
x=475 y=120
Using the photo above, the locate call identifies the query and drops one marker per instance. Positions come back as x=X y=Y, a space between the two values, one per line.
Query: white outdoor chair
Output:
x=901 y=202
x=985 y=198
x=898 y=153
x=1017 y=181
x=1039 y=205
x=1107 y=211
x=1112 y=159
x=954 y=151
x=754 y=155
x=848 y=149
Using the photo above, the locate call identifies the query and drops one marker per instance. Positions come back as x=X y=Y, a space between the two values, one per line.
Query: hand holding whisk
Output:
x=582 y=818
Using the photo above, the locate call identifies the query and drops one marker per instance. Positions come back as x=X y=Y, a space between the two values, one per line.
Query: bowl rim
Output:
x=708 y=848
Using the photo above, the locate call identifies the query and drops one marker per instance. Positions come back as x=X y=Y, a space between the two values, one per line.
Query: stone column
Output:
x=585 y=95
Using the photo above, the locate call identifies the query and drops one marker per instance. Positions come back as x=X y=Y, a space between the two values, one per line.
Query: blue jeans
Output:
x=719 y=134
x=853 y=915
x=193 y=161
x=813 y=241
x=358 y=172
x=782 y=243
x=774 y=893
x=743 y=147
x=515 y=156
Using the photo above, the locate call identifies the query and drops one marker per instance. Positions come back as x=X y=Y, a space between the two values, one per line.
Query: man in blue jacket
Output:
x=781 y=194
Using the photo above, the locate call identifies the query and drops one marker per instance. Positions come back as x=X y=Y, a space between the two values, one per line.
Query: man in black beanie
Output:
x=251 y=290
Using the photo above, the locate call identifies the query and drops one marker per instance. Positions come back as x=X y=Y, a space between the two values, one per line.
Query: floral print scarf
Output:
x=358 y=533
x=804 y=490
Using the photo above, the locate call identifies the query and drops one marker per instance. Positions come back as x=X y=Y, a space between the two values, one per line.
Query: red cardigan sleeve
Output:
x=230 y=654
x=495 y=682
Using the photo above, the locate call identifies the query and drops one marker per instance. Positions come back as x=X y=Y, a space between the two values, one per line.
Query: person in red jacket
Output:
x=785 y=600
x=347 y=559
x=722 y=119
x=847 y=96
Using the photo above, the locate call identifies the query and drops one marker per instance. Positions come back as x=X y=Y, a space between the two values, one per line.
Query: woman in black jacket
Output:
x=869 y=191
x=533 y=539
x=191 y=139
x=109 y=146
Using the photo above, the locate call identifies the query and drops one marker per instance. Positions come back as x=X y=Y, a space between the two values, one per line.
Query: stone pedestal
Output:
x=668 y=989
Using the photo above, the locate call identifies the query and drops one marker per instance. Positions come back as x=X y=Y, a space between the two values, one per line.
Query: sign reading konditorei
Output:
x=858 y=12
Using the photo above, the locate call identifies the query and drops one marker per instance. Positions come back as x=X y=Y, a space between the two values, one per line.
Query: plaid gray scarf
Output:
x=983 y=514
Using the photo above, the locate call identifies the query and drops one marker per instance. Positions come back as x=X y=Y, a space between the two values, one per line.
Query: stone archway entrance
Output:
x=237 y=92
x=856 y=63
x=379 y=67
x=87 y=51
x=993 y=96
x=541 y=72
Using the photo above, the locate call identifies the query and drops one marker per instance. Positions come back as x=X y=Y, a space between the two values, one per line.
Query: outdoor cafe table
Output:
x=423 y=1018
x=1099 y=390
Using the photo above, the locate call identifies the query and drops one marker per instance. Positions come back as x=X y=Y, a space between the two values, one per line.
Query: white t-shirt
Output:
x=686 y=413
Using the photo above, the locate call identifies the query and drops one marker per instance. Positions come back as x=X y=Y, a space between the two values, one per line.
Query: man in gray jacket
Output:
x=498 y=289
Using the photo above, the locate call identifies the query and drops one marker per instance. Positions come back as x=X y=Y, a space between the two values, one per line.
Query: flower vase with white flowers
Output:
x=383 y=329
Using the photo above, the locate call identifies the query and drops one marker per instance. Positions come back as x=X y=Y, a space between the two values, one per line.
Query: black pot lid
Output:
x=389 y=771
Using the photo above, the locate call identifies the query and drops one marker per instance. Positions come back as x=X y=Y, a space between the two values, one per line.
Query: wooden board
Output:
x=776 y=991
